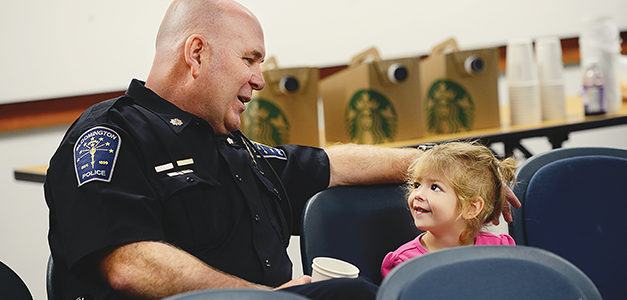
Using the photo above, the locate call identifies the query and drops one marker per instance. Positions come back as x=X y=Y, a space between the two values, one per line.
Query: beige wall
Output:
x=69 y=47
x=23 y=211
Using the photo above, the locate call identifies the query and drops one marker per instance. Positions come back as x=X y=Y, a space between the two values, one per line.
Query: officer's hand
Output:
x=298 y=281
x=511 y=199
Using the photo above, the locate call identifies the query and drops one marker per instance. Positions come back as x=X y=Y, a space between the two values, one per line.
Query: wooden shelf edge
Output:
x=60 y=111
x=48 y=112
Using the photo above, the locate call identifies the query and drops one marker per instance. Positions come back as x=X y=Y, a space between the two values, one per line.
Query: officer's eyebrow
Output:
x=256 y=54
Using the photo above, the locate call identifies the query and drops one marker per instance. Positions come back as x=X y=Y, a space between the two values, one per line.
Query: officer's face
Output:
x=233 y=71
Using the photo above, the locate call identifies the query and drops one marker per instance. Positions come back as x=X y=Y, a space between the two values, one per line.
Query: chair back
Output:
x=50 y=278
x=487 y=272
x=11 y=285
x=573 y=204
x=236 y=294
x=357 y=224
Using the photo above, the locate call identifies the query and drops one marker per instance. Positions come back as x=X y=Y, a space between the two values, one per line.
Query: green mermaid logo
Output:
x=449 y=107
x=370 y=118
x=266 y=123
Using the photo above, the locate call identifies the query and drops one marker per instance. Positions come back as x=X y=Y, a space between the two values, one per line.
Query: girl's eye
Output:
x=435 y=187
x=416 y=185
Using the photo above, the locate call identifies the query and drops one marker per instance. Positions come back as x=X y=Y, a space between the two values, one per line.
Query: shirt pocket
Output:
x=196 y=213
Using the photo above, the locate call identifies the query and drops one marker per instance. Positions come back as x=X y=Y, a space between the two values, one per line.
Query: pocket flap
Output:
x=180 y=181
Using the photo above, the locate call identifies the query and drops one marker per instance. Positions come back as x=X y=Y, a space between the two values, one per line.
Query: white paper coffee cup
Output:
x=553 y=99
x=324 y=268
x=524 y=101
x=549 y=59
x=519 y=60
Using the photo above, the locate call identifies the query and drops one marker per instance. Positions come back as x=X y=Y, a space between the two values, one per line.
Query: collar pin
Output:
x=176 y=122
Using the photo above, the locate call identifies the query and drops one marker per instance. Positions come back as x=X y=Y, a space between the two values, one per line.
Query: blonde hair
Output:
x=473 y=171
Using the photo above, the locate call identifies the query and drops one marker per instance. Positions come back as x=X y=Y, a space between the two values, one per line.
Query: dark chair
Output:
x=487 y=272
x=236 y=294
x=358 y=224
x=11 y=285
x=573 y=204
x=50 y=278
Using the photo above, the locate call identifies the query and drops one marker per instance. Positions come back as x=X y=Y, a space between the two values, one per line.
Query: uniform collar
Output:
x=176 y=118
x=231 y=139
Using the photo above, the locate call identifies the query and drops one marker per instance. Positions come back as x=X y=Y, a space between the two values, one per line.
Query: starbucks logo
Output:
x=448 y=107
x=266 y=123
x=370 y=118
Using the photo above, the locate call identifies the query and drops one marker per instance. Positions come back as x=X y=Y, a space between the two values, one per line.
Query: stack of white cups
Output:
x=522 y=83
x=551 y=78
x=600 y=41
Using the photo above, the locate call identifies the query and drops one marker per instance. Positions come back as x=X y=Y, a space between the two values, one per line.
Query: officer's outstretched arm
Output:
x=365 y=164
x=153 y=270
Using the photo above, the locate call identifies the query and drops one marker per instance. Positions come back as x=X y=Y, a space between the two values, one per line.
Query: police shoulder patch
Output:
x=270 y=152
x=95 y=154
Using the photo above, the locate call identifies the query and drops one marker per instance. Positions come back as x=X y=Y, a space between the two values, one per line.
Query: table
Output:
x=556 y=131
x=32 y=174
x=510 y=135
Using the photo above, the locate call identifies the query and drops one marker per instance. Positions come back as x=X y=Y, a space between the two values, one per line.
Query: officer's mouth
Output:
x=243 y=99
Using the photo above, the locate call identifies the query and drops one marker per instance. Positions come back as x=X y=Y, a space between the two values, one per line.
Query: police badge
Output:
x=95 y=154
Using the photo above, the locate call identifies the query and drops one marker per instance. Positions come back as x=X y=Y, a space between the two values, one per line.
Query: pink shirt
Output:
x=414 y=248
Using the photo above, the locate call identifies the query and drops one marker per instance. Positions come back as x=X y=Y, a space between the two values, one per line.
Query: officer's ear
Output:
x=195 y=46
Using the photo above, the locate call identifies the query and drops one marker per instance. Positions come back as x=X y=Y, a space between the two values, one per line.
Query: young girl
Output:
x=455 y=189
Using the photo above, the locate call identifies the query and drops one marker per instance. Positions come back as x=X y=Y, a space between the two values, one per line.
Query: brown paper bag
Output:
x=285 y=111
x=459 y=89
x=373 y=101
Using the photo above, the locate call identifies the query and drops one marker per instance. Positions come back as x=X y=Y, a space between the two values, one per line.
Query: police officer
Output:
x=157 y=192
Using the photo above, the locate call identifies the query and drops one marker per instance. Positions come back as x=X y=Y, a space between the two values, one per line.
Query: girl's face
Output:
x=433 y=204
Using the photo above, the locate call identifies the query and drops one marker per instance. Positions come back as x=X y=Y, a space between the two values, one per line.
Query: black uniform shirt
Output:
x=137 y=168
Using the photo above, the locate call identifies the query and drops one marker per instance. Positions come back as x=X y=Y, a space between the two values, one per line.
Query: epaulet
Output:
x=99 y=107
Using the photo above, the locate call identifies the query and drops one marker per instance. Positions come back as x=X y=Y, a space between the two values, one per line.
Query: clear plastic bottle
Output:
x=593 y=89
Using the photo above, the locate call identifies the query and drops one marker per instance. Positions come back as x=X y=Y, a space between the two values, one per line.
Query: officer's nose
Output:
x=256 y=80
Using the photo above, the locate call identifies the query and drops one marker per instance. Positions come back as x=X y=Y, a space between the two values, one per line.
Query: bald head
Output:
x=186 y=17
x=211 y=20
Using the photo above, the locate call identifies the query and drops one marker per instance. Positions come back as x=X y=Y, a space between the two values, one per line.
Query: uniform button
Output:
x=189 y=179
x=257 y=218
x=268 y=265
x=239 y=178
x=197 y=123
x=261 y=172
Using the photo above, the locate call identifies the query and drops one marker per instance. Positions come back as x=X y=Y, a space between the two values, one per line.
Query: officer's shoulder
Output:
x=96 y=109
x=96 y=114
